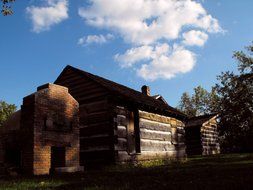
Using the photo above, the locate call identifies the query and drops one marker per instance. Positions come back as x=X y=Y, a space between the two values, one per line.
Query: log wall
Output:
x=202 y=138
x=96 y=131
x=160 y=136
x=209 y=138
x=121 y=122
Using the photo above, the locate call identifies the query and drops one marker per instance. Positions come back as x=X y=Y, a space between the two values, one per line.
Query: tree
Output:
x=5 y=111
x=236 y=104
x=201 y=102
x=6 y=7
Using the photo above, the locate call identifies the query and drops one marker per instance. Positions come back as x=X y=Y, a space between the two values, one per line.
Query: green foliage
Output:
x=229 y=171
x=6 y=7
x=236 y=104
x=201 y=102
x=5 y=111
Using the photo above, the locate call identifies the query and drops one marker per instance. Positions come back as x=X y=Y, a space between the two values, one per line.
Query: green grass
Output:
x=230 y=171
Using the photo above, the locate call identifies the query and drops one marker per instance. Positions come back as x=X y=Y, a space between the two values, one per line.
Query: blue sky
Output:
x=172 y=53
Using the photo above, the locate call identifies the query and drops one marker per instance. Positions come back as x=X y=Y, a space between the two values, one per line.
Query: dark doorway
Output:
x=193 y=141
x=57 y=157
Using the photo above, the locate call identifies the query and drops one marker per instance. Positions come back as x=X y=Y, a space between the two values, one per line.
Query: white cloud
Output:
x=195 y=37
x=145 y=24
x=134 y=55
x=98 y=39
x=146 y=21
x=160 y=61
x=43 y=17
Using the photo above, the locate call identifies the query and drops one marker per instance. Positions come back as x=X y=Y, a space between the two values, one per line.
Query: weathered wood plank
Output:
x=97 y=117
x=95 y=129
x=120 y=111
x=180 y=138
x=95 y=140
x=155 y=135
x=152 y=145
x=122 y=121
x=121 y=144
x=97 y=106
x=154 y=117
x=94 y=148
x=147 y=124
x=121 y=132
x=89 y=92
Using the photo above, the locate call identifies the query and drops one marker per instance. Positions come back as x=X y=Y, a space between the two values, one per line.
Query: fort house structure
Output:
x=84 y=119
x=201 y=135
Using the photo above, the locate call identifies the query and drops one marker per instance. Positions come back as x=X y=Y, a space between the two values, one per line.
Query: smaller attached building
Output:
x=201 y=135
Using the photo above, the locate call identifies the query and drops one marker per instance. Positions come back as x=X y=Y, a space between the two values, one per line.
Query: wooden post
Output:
x=137 y=131
x=131 y=134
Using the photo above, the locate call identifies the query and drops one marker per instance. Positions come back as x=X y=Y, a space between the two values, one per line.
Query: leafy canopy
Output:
x=6 y=7
x=5 y=111
x=236 y=103
x=199 y=103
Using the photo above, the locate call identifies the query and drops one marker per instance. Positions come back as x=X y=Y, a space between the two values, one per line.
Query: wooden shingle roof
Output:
x=131 y=95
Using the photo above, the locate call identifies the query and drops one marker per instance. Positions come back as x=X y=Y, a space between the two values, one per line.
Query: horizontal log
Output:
x=121 y=144
x=121 y=131
x=95 y=136
x=180 y=138
x=70 y=77
x=90 y=93
x=209 y=139
x=90 y=97
x=152 y=145
x=209 y=144
x=96 y=106
x=212 y=130
x=121 y=120
x=96 y=129
x=120 y=111
x=151 y=125
x=208 y=127
x=180 y=130
x=94 y=148
x=154 y=117
x=160 y=118
x=95 y=140
x=85 y=87
x=155 y=135
x=94 y=118
x=123 y=156
x=212 y=135
x=208 y=148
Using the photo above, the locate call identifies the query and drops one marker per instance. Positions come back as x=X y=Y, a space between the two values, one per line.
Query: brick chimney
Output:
x=145 y=90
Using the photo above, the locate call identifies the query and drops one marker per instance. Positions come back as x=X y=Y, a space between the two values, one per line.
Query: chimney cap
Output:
x=145 y=90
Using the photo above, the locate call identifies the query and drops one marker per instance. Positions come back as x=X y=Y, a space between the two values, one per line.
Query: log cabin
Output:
x=119 y=124
x=83 y=119
x=201 y=135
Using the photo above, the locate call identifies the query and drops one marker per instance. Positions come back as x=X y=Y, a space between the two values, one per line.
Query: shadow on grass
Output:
x=211 y=172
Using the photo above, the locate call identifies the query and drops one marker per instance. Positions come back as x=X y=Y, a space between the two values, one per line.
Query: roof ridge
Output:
x=124 y=91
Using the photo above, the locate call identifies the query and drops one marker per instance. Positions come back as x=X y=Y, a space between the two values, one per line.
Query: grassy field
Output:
x=233 y=171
